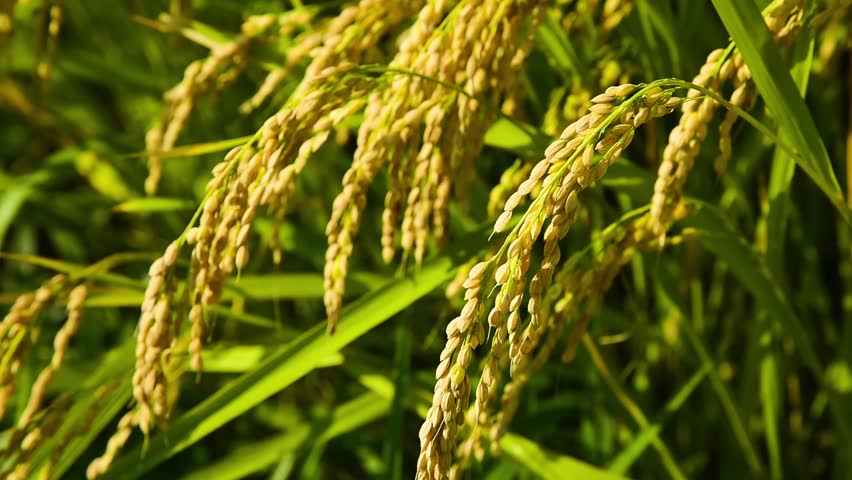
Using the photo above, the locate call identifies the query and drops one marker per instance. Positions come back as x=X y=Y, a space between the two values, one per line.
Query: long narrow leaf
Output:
x=641 y=441
x=404 y=341
x=777 y=211
x=254 y=457
x=547 y=465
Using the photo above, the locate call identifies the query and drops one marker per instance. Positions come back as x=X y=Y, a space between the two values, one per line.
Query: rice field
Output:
x=431 y=239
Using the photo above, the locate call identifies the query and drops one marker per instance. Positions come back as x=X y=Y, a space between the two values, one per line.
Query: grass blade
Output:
x=777 y=211
x=548 y=465
x=254 y=457
x=155 y=204
x=770 y=395
x=402 y=362
x=197 y=149
x=783 y=165
x=525 y=140
x=242 y=358
x=17 y=191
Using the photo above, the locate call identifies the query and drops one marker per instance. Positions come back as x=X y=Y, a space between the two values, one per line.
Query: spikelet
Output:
x=98 y=466
x=455 y=287
x=686 y=138
x=510 y=180
x=45 y=60
x=154 y=338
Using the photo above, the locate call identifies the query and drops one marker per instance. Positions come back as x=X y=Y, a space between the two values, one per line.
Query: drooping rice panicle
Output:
x=572 y=299
x=51 y=43
x=379 y=140
x=686 y=139
x=262 y=175
x=214 y=73
x=27 y=440
x=75 y=309
x=18 y=332
x=80 y=430
x=155 y=335
x=99 y=465
x=345 y=38
x=569 y=166
x=488 y=42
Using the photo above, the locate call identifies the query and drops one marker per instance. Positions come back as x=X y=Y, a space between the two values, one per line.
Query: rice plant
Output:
x=432 y=239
